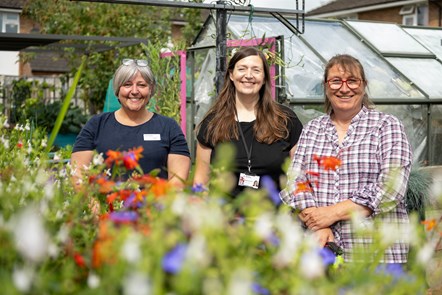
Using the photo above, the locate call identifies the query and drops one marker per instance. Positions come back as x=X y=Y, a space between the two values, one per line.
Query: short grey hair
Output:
x=125 y=73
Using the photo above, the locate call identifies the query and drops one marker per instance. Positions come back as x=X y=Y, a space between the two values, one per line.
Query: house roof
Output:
x=12 y=4
x=340 y=5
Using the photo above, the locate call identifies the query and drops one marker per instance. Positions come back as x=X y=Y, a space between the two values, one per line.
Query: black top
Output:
x=159 y=137
x=266 y=159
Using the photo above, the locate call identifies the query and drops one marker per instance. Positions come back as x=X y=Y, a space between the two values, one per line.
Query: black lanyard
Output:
x=248 y=152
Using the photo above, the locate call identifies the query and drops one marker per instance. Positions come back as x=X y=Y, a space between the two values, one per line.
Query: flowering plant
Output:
x=142 y=236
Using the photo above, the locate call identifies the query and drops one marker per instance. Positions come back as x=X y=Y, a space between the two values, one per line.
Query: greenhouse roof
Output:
x=401 y=62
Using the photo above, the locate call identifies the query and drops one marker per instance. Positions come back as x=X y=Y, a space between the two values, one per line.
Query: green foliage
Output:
x=21 y=90
x=44 y=116
x=57 y=240
x=418 y=192
x=167 y=72
x=104 y=19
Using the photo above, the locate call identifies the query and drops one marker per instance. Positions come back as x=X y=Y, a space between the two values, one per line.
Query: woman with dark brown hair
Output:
x=263 y=132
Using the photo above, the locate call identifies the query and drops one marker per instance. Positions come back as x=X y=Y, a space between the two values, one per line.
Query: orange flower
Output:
x=113 y=156
x=328 y=162
x=160 y=187
x=303 y=187
x=429 y=224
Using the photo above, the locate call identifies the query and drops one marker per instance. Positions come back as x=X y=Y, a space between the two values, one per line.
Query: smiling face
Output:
x=248 y=76
x=134 y=94
x=346 y=101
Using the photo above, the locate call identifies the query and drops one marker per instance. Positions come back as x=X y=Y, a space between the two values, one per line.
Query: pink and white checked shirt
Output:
x=376 y=160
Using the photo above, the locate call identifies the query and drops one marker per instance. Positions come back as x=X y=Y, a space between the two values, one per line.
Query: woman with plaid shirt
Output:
x=353 y=160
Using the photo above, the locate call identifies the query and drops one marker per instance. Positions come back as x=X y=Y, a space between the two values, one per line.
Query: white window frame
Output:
x=6 y=21
x=409 y=20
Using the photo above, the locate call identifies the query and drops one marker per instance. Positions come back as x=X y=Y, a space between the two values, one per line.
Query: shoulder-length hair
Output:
x=349 y=64
x=271 y=120
x=126 y=72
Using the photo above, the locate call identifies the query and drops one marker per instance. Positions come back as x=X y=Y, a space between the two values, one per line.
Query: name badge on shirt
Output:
x=248 y=180
x=151 y=137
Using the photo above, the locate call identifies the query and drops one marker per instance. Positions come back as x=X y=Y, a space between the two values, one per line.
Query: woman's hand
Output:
x=324 y=235
x=318 y=218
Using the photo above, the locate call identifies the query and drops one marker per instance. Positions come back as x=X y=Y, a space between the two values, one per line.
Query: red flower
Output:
x=79 y=260
x=20 y=144
x=328 y=162
x=130 y=158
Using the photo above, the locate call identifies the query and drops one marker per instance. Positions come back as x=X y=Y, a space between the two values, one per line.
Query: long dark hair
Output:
x=271 y=119
x=349 y=64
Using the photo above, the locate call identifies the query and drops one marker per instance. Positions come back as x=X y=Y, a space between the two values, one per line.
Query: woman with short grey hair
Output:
x=133 y=126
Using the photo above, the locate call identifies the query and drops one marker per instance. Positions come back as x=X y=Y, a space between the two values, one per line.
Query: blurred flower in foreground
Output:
x=258 y=289
x=328 y=162
x=312 y=265
x=327 y=255
x=269 y=185
x=23 y=278
x=137 y=284
x=31 y=238
x=240 y=282
x=173 y=260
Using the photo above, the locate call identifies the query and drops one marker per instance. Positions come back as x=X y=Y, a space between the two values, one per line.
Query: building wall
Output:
x=390 y=15
x=434 y=17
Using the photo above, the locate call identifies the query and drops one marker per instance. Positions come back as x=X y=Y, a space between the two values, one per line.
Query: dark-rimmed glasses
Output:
x=336 y=83
x=139 y=62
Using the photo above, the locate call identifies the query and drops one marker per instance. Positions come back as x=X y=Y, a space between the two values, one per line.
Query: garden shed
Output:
x=403 y=66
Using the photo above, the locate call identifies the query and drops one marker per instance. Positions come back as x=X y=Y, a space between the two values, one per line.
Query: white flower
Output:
x=291 y=237
x=31 y=238
x=136 y=284
x=426 y=252
x=197 y=250
x=311 y=265
x=63 y=234
x=22 y=278
x=93 y=281
x=131 y=250
x=264 y=225
x=240 y=282
x=98 y=159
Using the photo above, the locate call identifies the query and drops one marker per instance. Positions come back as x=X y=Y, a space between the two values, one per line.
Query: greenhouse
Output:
x=403 y=66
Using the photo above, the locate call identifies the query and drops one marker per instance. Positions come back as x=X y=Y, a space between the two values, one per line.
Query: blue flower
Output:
x=268 y=183
x=173 y=260
x=198 y=188
x=327 y=255
x=258 y=289
x=132 y=202
x=396 y=270
x=123 y=216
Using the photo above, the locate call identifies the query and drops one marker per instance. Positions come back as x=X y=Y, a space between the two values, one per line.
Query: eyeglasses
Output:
x=139 y=62
x=336 y=83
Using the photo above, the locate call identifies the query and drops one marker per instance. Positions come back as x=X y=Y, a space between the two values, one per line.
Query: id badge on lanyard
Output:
x=247 y=179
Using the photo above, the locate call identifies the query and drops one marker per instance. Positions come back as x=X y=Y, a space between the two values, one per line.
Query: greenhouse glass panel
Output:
x=425 y=73
x=303 y=68
x=435 y=135
x=389 y=38
x=331 y=38
x=430 y=38
x=414 y=119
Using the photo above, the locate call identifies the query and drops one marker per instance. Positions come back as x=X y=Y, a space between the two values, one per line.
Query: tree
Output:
x=105 y=19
